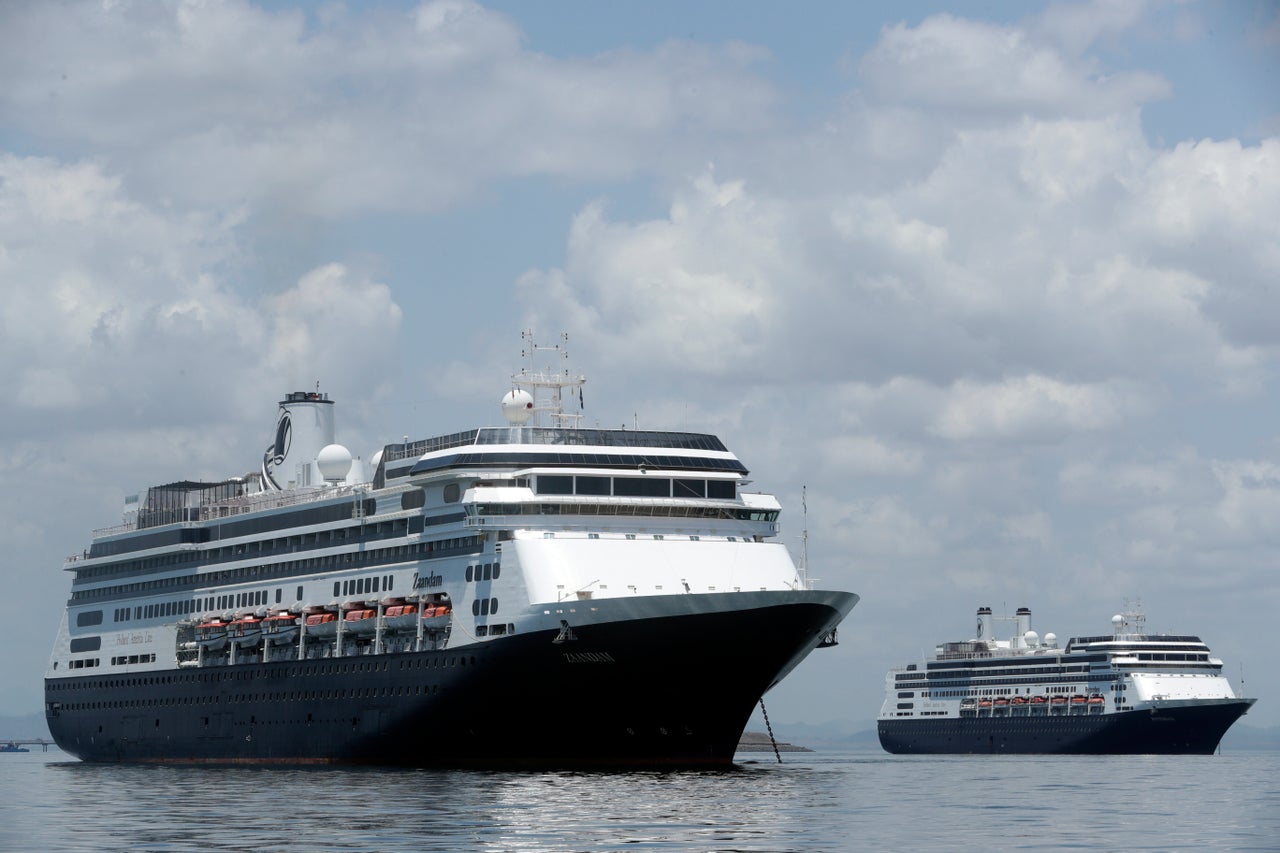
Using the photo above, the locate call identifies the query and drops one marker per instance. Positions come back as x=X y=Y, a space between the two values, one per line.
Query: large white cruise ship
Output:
x=535 y=594
x=1129 y=691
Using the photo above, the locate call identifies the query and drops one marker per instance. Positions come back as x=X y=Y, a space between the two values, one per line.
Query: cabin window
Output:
x=593 y=486
x=642 y=487
x=721 y=489
x=684 y=488
x=554 y=484
x=89 y=617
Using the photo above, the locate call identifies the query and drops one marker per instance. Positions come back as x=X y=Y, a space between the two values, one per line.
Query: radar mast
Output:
x=541 y=391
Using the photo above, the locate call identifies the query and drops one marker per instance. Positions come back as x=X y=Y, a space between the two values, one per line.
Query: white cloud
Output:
x=113 y=310
x=1029 y=407
x=228 y=103
x=866 y=454
x=983 y=69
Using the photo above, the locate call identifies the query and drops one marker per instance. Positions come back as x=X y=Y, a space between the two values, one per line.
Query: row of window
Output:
x=484 y=606
x=635 y=487
x=644 y=510
x=350 y=560
x=485 y=572
x=186 y=606
x=630 y=462
x=262 y=547
x=360 y=586
x=123 y=660
x=345 y=667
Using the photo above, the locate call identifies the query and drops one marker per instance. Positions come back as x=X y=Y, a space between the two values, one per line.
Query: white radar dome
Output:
x=1117 y=621
x=1031 y=638
x=334 y=461
x=517 y=406
x=1050 y=639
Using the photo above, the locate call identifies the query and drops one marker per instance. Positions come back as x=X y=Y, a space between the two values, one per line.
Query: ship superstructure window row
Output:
x=351 y=535
x=272 y=571
x=579 y=460
x=478 y=512
x=635 y=487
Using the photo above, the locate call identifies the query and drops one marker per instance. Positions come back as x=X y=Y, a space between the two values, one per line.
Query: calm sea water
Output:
x=823 y=801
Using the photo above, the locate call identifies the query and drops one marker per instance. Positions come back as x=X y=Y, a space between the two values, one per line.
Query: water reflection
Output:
x=229 y=808
x=810 y=803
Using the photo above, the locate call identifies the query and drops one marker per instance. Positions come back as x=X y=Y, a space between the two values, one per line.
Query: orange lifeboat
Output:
x=362 y=621
x=322 y=624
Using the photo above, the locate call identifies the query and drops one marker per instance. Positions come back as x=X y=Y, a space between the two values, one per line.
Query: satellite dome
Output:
x=517 y=406
x=1031 y=638
x=1050 y=639
x=1117 y=621
x=334 y=461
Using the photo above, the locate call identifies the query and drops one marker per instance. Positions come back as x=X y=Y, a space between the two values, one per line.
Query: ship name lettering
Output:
x=430 y=580
x=589 y=657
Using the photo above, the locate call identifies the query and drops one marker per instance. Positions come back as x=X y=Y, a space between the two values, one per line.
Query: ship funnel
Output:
x=1023 y=621
x=984 y=625
x=304 y=427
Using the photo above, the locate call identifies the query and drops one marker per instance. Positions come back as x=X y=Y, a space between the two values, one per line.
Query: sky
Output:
x=988 y=294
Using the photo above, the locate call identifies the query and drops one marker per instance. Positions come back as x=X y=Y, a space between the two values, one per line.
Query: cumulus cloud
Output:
x=114 y=310
x=965 y=66
x=1028 y=406
x=220 y=103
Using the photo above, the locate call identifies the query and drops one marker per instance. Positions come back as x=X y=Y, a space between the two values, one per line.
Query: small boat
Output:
x=245 y=632
x=436 y=616
x=11 y=746
x=280 y=629
x=212 y=635
x=361 y=621
x=322 y=624
x=401 y=617
x=1038 y=700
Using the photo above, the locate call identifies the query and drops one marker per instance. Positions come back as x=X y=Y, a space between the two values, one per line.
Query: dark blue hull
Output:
x=1182 y=730
x=665 y=691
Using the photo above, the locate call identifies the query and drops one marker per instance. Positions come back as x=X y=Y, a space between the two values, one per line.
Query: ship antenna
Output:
x=549 y=380
x=804 y=537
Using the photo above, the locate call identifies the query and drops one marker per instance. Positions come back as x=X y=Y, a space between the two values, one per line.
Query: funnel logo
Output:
x=276 y=453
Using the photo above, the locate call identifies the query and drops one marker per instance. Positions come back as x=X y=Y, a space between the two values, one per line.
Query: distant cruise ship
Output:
x=530 y=594
x=1125 y=692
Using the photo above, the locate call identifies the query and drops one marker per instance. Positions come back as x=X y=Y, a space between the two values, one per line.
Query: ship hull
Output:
x=674 y=690
x=1177 y=729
